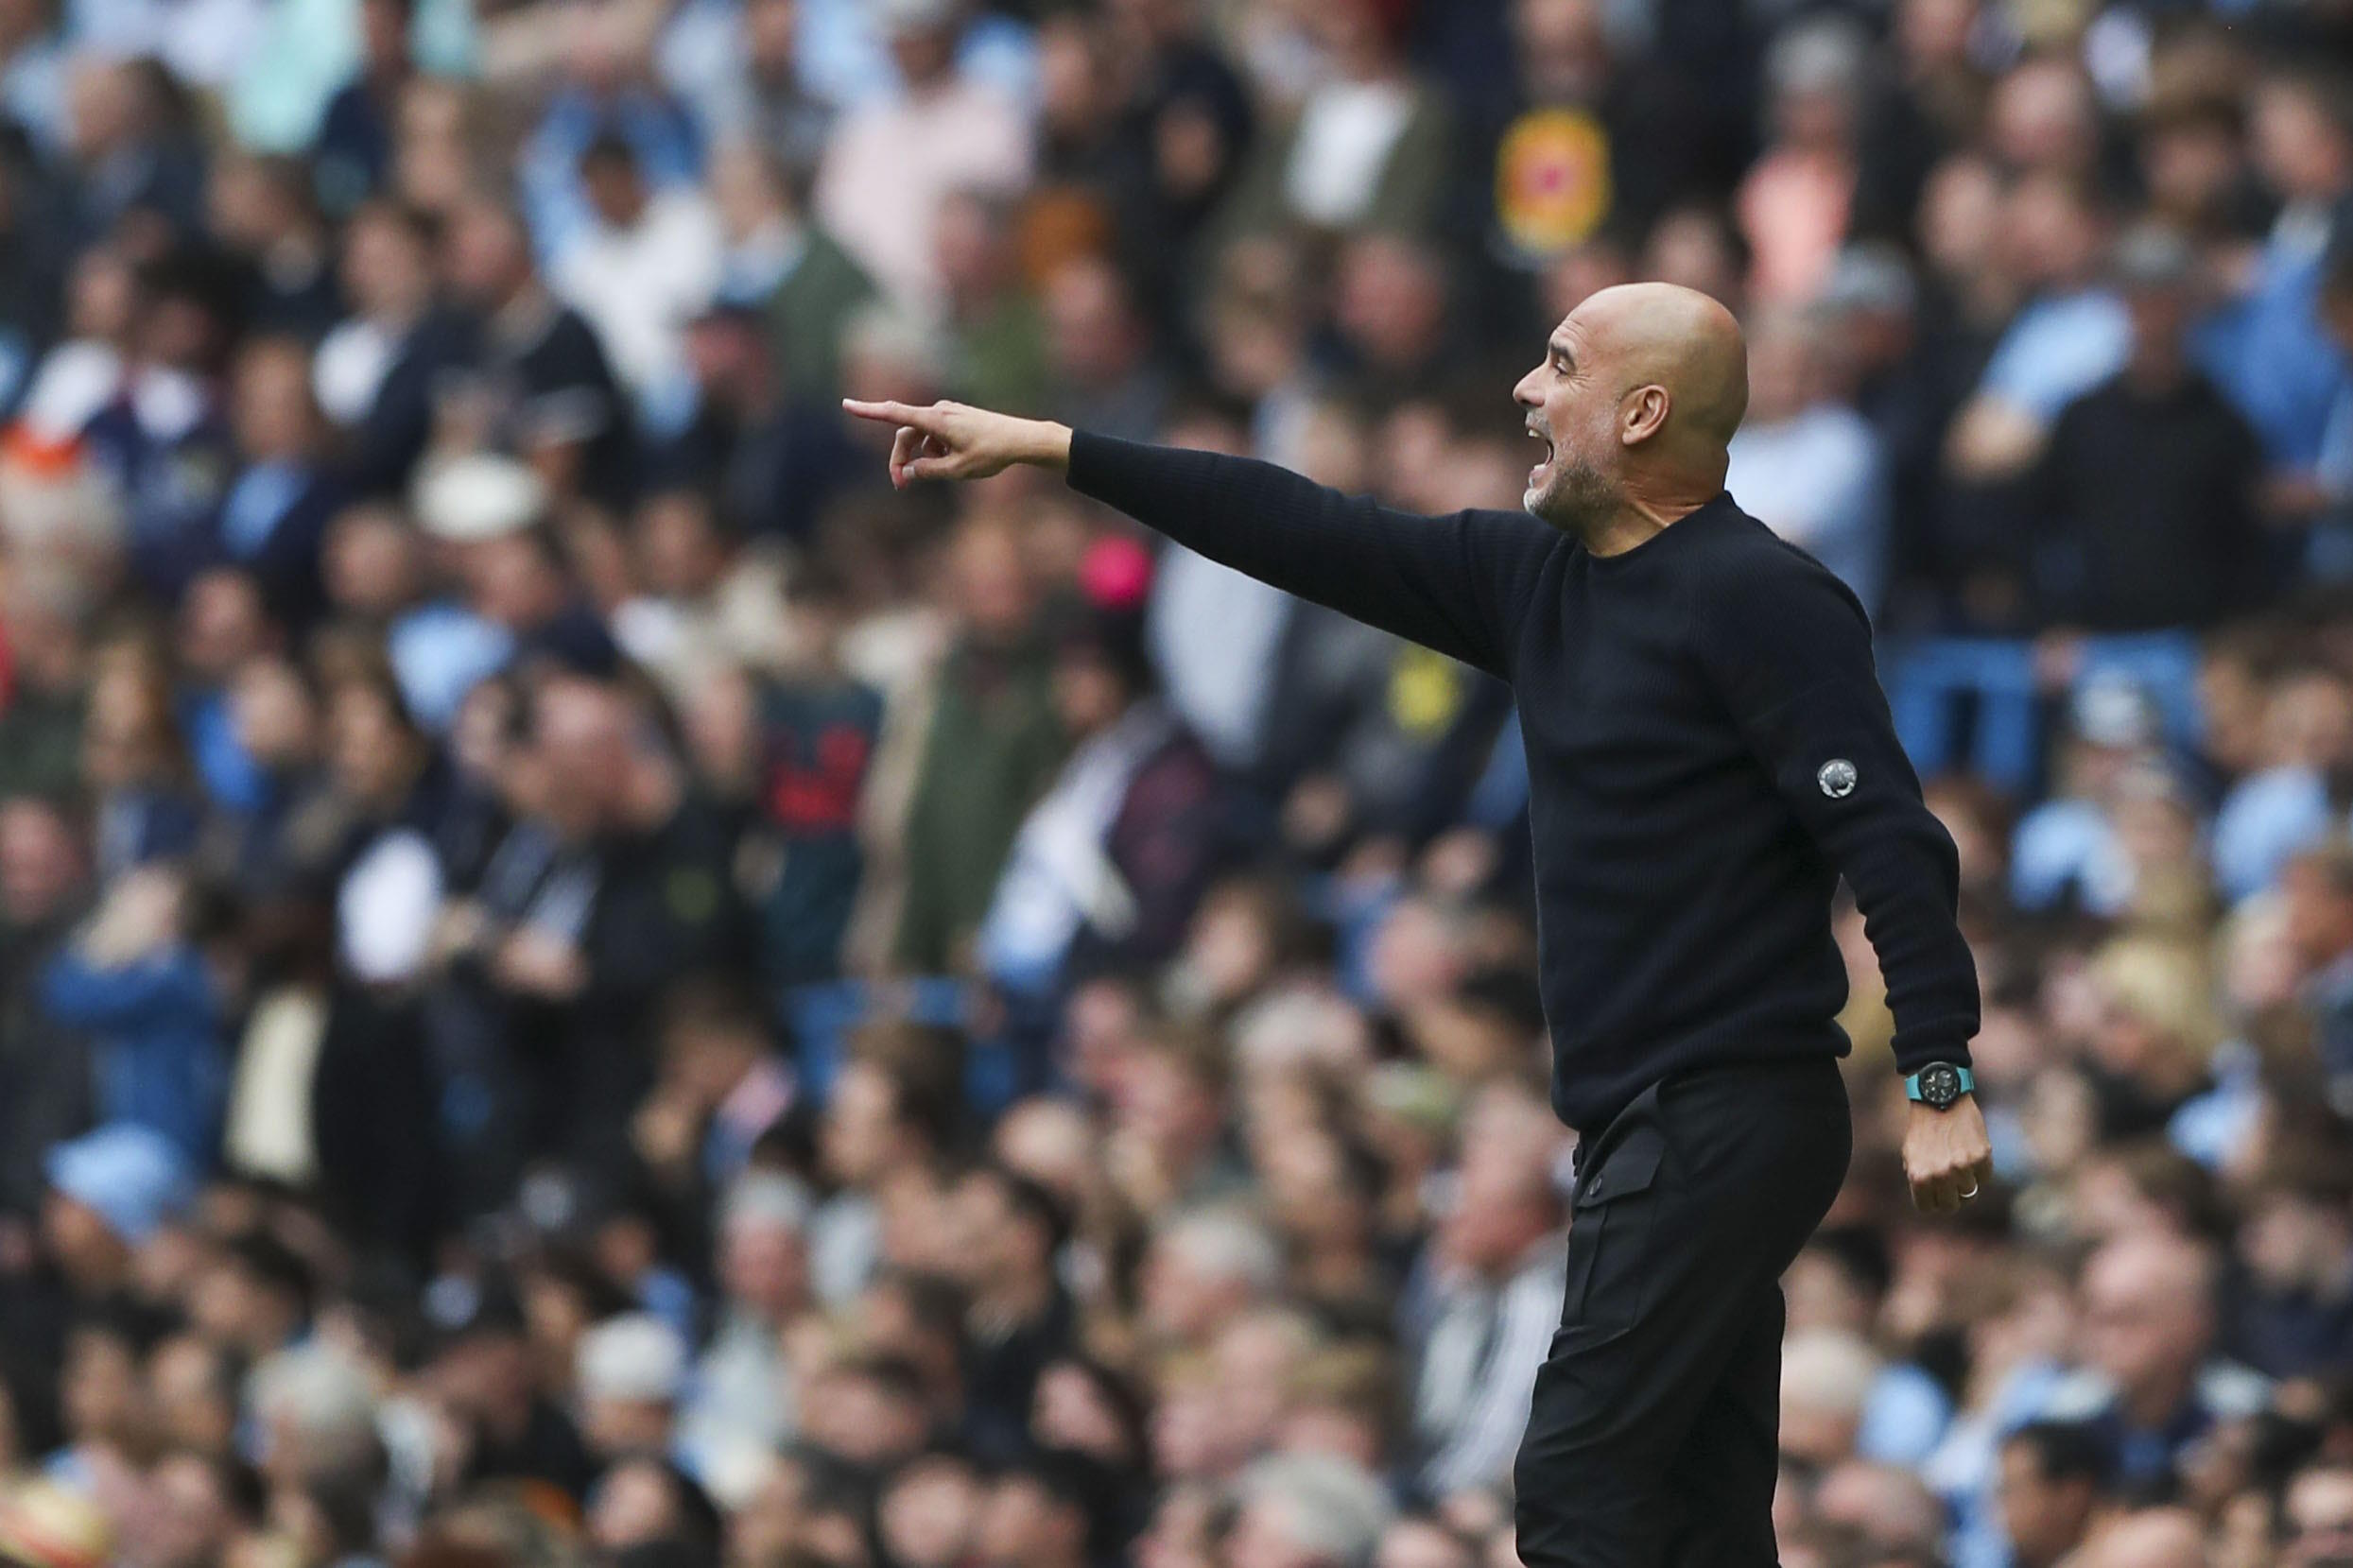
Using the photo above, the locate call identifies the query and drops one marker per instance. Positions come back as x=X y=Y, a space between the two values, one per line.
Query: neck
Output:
x=2155 y=370
x=2151 y=1405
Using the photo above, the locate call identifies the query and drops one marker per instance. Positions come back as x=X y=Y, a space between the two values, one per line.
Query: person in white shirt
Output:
x=648 y=265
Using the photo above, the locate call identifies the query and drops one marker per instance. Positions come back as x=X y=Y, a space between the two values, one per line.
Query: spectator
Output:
x=1807 y=466
x=645 y=266
x=2163 y=425
x=1107 y=866
x=2052 y=1477
x=992 y=742
x=543 y=388
x=888 y=167
x=1020 y=1319
x=2319 y=1516
x=780 y=261
x=2150 y=1380
x=632 y=1371
x=1491 y=1277
x=354 y=153
x=137 y=980
x=743 y=1404
x=274 y=516
x=373 y=371
x=1307 y=1510
x=1370 y=146
x=2070 y=337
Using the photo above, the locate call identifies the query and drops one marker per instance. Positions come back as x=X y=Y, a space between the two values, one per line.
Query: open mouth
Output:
x=1536 y=434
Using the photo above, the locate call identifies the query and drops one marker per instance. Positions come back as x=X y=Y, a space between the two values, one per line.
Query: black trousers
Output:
x=1653 y=1435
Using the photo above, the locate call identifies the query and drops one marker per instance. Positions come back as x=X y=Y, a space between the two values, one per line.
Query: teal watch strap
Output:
x=1969 y=1082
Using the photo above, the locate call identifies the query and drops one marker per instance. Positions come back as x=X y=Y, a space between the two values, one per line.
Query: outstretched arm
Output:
x=1455 y=584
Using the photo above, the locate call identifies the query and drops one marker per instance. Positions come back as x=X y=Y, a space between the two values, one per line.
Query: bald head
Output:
x=1640 y=391
x=1677 y=339
x=2154 y=1538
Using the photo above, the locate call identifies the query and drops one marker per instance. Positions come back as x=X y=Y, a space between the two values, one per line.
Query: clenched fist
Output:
x=1947 y=1157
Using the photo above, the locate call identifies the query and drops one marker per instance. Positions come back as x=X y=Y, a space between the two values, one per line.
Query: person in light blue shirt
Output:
x=2284 y=806
x=2288 y=375
x=1811 y=469
x=2069 y=337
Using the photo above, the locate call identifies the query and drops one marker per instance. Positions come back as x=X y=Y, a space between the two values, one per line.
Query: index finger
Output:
x=892 y=413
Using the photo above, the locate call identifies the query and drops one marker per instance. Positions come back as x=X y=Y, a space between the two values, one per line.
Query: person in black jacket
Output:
x=1708 y=752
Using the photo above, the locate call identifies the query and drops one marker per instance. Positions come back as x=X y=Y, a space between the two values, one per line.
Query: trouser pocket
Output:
x=1609 y=1234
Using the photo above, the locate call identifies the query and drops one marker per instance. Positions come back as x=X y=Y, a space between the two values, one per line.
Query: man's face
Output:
x=38 y=863
x=2320 y=1520
x=614 y=190
x=927 y=1517
x=190 y=1521
x=487 y=261
x=1571 y=403
x=2138 y=1327
x=856 y=1136
x=2044 y=1519
x=763 y=1265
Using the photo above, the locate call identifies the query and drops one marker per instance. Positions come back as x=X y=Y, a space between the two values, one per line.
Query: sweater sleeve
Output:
x=1458 y=584
x=1789 y=650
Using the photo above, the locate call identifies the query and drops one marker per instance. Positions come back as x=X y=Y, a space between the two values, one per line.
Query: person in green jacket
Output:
x=992 y=746
x=780 y=260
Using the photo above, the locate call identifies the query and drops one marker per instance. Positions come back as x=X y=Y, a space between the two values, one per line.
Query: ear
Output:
x=1643 y=414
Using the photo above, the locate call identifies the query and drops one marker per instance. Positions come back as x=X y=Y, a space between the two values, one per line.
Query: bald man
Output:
x=1708 y=752
x=2154 y=1538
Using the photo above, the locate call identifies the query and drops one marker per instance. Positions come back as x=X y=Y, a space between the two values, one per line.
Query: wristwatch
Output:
x=1939 y=1084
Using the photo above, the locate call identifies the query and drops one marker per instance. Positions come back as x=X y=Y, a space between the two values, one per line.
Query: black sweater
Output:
x=1709 y=750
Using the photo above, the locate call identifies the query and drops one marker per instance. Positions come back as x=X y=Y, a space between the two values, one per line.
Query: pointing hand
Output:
x=949 y=440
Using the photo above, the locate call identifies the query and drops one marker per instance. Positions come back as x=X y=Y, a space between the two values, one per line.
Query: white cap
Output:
x=636 y=1357
x=383 y=913
x=480 y=496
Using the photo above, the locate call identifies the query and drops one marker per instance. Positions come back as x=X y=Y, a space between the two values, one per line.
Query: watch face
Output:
x=1939 y=1084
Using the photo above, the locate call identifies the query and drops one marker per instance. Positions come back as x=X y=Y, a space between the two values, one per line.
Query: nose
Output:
x=1525 y=393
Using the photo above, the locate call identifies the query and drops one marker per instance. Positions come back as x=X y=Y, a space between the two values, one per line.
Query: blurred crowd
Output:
x=583 y=983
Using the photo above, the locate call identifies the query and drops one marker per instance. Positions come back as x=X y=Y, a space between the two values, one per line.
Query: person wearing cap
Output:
x=771 y=460
x=2144 y=499
x=110 y=1194
x=630 y=1373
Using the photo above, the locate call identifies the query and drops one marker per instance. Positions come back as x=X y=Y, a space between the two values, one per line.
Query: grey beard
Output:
x=1579 y=494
